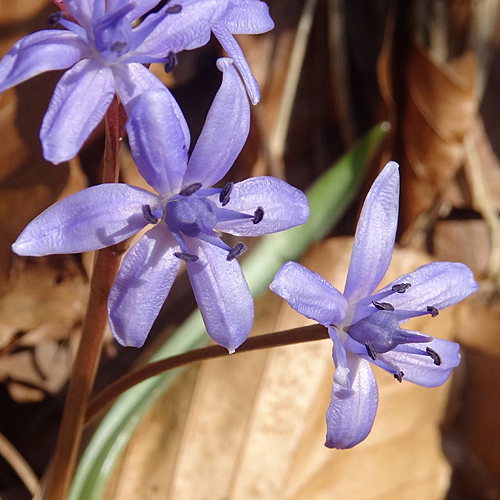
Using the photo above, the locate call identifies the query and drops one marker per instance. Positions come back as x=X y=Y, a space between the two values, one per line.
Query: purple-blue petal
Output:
x=438 y=284
x=350 y=417
x=131 y=81
x=90 y=219
x=177 y=31
x=421 y=368
x=142 y=285
x=222 y=294
x=309 y=294
x=375 y=235
x=284 y=206
x=224 y=133
x=157 y=141
x=39 y=52
x=81 y=11
x=140 y=7
x=234 y=51
x=247 y=17
x=80 y=100
x=200 y=41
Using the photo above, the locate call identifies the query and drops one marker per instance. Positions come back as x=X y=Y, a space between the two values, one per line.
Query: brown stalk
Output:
x=106 y=264
x=287 y=337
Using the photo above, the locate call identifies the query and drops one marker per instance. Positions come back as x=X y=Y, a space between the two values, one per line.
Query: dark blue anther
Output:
x=148 y=215
x=171 y=62
x=399 y=376
x=236 y=251
x=55 y=17
x=371 y=350
x=189 y=190
x=383 y=306
x=118 y=46
x=434 y=312
x=173 y=9
x=186 y=257
x=258 y=215
x=434 y=356
x=224 y=194
x=401 y=287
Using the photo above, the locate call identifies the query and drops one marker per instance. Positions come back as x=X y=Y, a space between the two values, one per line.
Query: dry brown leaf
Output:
x=42 y=301
x=12 y=11
x=440 y=112
x=44 y=306
x=255 y=425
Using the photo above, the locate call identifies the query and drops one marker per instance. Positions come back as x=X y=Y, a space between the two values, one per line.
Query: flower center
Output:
x=380 y=333
x=113 y=33
x=191 y=216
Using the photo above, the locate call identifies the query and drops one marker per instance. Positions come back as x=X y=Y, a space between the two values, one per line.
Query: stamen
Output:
x=186 y=257
x=434 y=356
x=236 y=251
x=371 y=350
x=434 y=312
x=171 y=61
x=401 y=287
x=148 y=215
x=118 y=46
x=55 y=17
x=258 y=215
x=383 y=306
x=173 y=9
x=190 y=189
x=224 y=194
x=399 y=376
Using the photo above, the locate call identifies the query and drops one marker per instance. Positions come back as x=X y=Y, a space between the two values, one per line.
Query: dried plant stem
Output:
x=339 y=62
x=106 y=264
x=17 y=462
x=282 y=122
x=114 y=390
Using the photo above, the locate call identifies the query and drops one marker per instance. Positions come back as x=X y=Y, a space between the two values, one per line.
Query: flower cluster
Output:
x=106 y=47
x=364 y=324
x=106 y=52
x=186 y=215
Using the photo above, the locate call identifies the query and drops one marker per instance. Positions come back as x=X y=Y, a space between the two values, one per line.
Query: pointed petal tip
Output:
x=392 y=166
x=223 y=63
x=18 y=248
x=55 y=155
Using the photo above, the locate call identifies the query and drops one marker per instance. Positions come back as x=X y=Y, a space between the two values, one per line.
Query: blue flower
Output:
x=364 y=325
x=105 y=55
x=192 y=212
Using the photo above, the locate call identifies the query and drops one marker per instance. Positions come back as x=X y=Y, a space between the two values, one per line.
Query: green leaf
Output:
x=329 y=197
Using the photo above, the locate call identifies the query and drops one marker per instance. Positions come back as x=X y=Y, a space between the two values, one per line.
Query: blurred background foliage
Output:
x=252 y=425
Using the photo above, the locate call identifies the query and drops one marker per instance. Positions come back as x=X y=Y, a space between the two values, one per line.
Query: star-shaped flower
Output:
x=105 y=55
x=364 y=325
x=192 y=215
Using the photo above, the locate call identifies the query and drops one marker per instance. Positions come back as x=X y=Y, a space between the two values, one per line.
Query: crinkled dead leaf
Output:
x=43 y=307
x=252 y=426
x=440 y=110
x=41 y=300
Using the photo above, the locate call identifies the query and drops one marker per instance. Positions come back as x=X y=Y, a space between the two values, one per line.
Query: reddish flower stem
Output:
x=295 y=336
x=106 y=264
